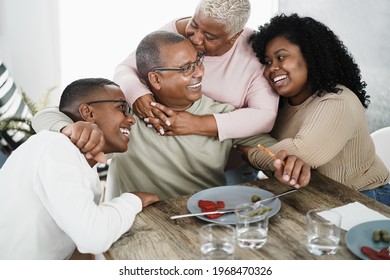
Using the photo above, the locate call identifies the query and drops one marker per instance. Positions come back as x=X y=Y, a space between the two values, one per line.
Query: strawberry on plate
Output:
x=210 y=206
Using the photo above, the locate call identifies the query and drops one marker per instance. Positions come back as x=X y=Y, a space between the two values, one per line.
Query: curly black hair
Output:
x=328 y=60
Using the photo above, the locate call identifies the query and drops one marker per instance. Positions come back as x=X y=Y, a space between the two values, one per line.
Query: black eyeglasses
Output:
x=125 y=107
x=186 y=70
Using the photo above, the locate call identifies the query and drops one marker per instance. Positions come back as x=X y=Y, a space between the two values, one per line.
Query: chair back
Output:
x=381 y=138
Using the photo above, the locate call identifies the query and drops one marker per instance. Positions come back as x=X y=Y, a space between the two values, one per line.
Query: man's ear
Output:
x=86 y=113
x=154 y=80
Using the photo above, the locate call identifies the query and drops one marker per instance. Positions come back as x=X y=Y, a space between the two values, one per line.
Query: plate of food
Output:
x=363 y=235
x=231 y=196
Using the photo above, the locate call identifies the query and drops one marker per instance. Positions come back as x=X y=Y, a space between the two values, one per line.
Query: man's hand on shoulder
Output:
x=88 y=138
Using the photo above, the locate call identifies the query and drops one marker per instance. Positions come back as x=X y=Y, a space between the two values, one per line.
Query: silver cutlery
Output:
x=273 y=197
x=230 y=210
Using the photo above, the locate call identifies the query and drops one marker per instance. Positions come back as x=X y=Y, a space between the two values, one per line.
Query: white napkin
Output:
x=353 y=214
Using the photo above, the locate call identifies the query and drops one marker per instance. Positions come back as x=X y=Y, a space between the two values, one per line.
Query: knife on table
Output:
x=230 y=210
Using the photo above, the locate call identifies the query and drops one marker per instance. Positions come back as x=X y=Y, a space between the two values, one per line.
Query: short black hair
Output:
x=328 y=61
x=81 y=91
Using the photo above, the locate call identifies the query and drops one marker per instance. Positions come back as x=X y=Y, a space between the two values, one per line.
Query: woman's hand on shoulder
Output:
x=153 y=116
x=142 y=107
x=171 y=123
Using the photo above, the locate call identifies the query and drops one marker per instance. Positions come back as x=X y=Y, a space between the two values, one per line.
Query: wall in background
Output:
x=29 y=43
x=48 y=43
x=363 y=26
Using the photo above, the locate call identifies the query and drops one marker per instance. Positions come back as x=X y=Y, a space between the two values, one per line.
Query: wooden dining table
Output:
x=154 y=236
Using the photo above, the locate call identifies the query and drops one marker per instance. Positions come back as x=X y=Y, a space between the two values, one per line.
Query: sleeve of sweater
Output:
x=50 y=118
x=324 y=132
x=67 y=194
x=262 y=139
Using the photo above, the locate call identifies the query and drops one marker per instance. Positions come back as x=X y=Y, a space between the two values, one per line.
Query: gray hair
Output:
x=148 y=50
x=233 y=14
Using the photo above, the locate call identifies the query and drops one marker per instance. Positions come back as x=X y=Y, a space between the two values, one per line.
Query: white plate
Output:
x=232 y=196
x=361 y=235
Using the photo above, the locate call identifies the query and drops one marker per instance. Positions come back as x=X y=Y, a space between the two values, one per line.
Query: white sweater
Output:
x=49 y=203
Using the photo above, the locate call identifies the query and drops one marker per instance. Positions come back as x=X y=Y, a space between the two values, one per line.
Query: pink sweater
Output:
x=235 y=77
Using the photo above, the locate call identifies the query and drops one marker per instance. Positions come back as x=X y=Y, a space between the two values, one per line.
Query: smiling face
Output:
x=110 y=118
x=208 y=36
x=286 y=70
x=172 y=88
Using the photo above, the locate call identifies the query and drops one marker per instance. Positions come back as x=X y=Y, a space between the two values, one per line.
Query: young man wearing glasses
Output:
x=50 y=191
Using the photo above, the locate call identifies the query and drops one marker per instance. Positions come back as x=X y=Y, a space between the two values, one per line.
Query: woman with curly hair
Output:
x=321 y=117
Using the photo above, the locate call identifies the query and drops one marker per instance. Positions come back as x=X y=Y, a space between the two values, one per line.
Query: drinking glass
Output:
x=323 y=235
x=217 y=242
x=252 y=225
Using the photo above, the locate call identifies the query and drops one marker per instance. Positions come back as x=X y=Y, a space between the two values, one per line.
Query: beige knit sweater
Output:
x=331 y=134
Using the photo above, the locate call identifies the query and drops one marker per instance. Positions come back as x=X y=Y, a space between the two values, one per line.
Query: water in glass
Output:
x=319 y=246
x=253 y=238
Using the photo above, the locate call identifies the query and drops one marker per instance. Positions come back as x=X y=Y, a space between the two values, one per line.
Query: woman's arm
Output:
x=126 y=75
x=257 y=112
